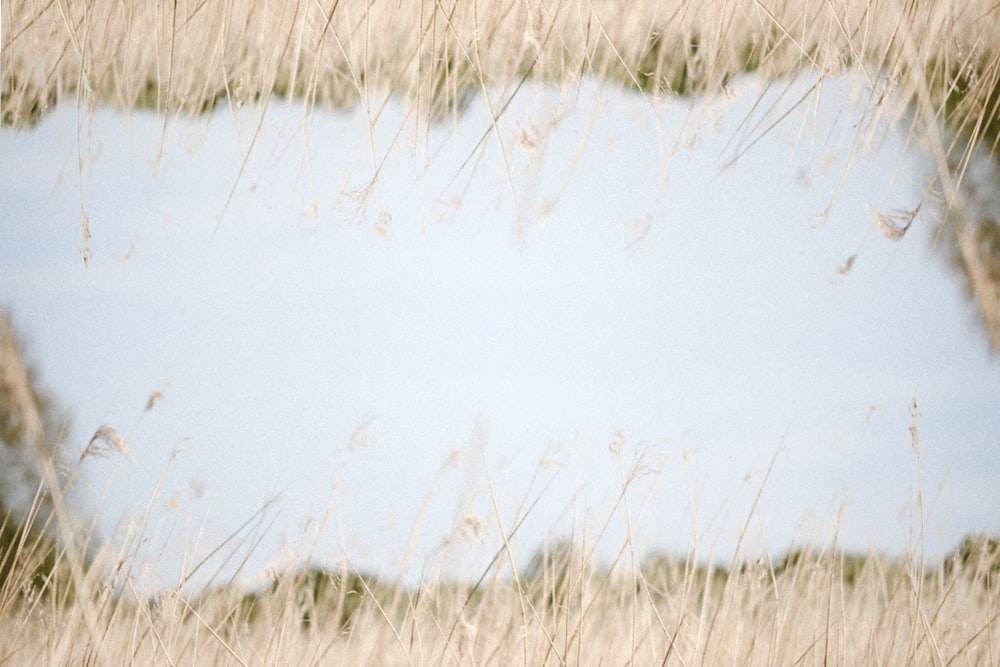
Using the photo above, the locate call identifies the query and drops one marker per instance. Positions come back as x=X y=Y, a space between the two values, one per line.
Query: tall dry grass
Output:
x=940 y=60
x=65 y=603
x=190 y=55
x=936 y=64
x=812 y=607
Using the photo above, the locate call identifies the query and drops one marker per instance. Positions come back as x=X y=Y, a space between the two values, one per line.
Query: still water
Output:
x=399 y=339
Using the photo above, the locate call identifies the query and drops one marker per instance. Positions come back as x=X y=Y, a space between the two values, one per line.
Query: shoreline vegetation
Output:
x=811 y=607
x=69 y=598
x=189 y=57
x=66 y=598
x=933 y=65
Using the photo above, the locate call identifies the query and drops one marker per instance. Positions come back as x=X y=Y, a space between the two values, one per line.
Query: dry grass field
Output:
x=807 y=608
x=65 y=600
x=932 y=65
x=190 y=56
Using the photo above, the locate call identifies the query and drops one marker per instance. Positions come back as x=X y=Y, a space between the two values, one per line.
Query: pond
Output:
x=409 y=339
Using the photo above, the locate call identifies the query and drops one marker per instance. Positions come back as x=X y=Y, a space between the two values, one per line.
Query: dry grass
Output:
x=62 y=602
x=190 y=55
x=939 y=62
x=20 y=421
x=939 y=59
x=936 y=64
x=811 y=608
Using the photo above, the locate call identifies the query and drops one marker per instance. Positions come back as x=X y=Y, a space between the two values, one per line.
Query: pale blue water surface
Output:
x=503 y=317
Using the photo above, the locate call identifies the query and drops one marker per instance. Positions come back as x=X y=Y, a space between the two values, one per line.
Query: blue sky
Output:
x=637 y=291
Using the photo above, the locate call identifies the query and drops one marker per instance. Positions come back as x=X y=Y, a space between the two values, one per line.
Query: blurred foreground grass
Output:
x=810 y=608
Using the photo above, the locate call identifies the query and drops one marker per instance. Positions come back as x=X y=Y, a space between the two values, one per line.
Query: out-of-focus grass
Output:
x=191 y=56
x=809 y=607
x=68 y=598
x=940 y=60
x=936 y=64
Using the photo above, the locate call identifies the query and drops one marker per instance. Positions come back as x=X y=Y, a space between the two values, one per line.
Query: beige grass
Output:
x=811 y=608
x=189 y=55
x=63 y=603
x=938 y=61
x=20 y=421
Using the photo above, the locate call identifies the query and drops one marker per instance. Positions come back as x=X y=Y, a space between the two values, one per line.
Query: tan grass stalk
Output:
x=187 y=56
x=982 y=267
x=20 y=420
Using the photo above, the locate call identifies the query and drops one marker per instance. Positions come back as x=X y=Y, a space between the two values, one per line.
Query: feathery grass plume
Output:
x=895 y=224
x=105 y=442
x=155 y=398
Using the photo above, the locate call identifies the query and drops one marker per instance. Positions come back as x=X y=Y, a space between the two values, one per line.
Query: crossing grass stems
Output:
x=63 y=602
